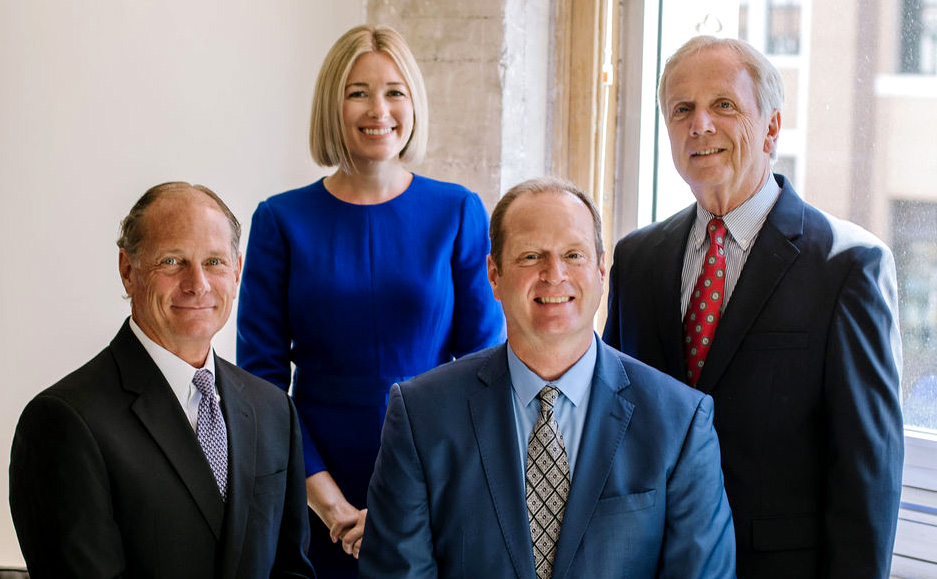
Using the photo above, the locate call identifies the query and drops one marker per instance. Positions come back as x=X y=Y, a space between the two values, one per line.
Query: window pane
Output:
x=919 y=37
x=915 y=246
x=783 y=27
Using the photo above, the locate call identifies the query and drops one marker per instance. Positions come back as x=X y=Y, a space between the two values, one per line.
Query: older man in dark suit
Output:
x=786 y=316
x=158 y=458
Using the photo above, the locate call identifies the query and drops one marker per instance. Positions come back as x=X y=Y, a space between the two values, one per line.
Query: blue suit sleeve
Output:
x=264 y=336
x=397 y=537
x=699 y=539
x=477 y=320
x=865 y=440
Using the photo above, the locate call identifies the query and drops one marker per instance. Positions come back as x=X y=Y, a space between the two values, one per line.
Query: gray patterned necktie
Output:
x=547 y=482
x=210 y=430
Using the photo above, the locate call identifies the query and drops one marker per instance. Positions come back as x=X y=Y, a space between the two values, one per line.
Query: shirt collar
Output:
x=745 y=221
x=177 y=371
x=573 y=384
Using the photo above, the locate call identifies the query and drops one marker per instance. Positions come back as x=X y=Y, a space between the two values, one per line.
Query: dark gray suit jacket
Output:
x=108 y=480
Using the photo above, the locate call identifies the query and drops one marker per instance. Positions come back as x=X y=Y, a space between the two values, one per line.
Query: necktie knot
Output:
x=548 y=396
x=717 y=232
x=204 y=382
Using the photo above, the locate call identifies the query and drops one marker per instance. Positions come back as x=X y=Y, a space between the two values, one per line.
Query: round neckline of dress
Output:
x=380 y=204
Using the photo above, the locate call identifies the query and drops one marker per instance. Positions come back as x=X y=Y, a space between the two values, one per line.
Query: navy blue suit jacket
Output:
x=804 y=372
x=108 y=480
x=447 y=496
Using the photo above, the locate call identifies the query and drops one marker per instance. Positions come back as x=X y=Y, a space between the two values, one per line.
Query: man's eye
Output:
x=214 y=261
x=170 y=261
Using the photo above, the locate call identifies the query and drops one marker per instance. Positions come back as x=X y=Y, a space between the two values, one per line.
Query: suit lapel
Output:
x=159 y=411
x=491 y=410
x=607 y=420
x=666 y=259
x=770 y=258
x=241 y=425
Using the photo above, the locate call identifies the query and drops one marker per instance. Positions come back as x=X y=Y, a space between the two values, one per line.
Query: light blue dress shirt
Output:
x=569 y=410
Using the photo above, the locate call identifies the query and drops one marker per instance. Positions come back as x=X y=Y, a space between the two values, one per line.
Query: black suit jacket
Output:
x=108 y=480
x=804 y=371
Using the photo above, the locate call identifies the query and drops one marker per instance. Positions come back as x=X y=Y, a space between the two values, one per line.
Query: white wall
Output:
x=101 y=100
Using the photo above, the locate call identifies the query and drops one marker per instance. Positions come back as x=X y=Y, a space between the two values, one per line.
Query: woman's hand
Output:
x=344 y=521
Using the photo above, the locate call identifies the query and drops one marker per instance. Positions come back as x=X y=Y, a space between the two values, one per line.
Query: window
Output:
x=915 y=246
x=783 y=24
x=919 y=37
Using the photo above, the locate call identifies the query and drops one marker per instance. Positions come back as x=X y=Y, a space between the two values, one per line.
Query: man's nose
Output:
x=554 y=270
x=196 y=280
x=701 y=122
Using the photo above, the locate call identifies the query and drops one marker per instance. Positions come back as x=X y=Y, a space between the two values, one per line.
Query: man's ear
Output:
x=774 y=129
x=125 y=267
x=493 y=276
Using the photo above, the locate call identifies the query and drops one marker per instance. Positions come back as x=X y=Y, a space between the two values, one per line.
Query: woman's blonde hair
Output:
x=327 y=127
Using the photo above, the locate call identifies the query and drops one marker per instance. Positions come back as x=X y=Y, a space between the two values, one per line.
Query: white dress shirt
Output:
x=178 y=373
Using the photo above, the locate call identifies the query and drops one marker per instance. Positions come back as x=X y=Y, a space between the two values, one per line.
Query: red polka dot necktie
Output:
x=705 y=309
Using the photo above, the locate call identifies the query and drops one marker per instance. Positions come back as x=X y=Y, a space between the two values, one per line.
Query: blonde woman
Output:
x=362 y=279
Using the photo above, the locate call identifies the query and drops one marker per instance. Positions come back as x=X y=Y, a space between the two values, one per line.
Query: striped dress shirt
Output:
x=743 y=223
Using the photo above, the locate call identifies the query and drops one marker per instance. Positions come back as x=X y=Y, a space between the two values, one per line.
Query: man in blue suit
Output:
x=615 y=473
x=804 y=364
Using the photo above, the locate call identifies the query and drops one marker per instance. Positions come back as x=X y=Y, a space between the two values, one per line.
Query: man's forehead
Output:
x=717 y=78
x=567 y=212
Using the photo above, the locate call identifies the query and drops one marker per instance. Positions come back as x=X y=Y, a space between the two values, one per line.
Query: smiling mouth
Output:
x=377 y=132
x=706 y=152
x=553 y=300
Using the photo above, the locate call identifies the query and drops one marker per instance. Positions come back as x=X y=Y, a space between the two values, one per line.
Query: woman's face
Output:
x=377 y=110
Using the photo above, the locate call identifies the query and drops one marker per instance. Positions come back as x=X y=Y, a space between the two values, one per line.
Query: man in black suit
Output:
x=793 y=328
x=124 y=468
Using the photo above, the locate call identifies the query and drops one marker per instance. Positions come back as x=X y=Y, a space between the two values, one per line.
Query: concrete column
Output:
x=485 y=65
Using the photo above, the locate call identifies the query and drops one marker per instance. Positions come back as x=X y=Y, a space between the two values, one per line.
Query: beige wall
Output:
x=828 y=167
x=907 y=147
x=100 y=100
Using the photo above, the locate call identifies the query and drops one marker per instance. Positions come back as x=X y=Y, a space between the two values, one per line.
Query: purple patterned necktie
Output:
x=210 y=430
x=547 y=482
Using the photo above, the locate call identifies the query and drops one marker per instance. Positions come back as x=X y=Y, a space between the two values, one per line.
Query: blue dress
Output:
x=358 y=297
